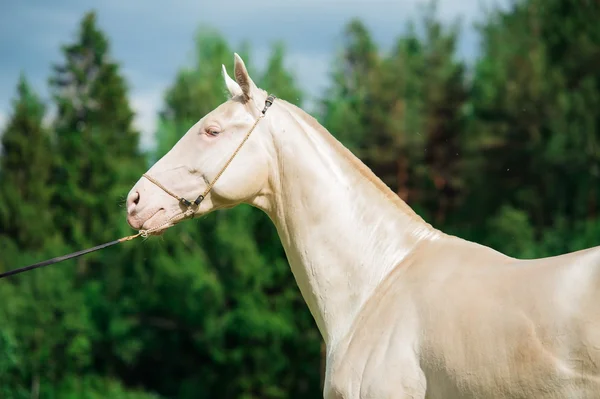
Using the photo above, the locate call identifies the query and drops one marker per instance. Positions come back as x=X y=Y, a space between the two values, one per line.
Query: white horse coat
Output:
x=404 y=309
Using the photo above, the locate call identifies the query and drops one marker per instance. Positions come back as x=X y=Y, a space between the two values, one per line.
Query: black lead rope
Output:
x=65 y=257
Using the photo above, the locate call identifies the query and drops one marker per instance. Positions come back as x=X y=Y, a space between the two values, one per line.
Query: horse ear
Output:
x=243 y=78
x=232 y=86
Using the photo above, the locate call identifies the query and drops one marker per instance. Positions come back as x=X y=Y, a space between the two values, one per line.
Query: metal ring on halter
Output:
x=185 y=202
x=268 y=102
x=199 y=199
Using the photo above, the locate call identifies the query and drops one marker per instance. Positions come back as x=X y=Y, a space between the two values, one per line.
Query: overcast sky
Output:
x=153 y=39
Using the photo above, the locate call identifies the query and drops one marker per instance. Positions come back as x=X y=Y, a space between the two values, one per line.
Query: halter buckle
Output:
x=199 y=200
x=185 y=202
x=268 y=103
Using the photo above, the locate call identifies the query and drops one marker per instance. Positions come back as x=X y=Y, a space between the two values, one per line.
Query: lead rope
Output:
x=191 y=206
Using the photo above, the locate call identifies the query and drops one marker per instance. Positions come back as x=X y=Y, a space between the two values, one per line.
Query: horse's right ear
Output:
x=243 y=78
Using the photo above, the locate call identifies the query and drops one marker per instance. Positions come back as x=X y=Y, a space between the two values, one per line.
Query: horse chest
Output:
x=376 y=363
x=374 y=374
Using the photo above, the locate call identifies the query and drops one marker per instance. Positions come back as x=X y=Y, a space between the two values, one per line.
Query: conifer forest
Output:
x=504 y=151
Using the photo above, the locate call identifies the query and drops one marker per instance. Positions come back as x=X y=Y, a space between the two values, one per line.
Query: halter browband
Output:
x=193 y=205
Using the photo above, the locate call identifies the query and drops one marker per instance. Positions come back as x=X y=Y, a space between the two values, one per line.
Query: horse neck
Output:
x=342 y=229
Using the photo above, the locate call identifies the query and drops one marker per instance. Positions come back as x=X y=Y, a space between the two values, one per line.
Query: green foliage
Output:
x=402 y=114
x=93 y=387
x=511 y=230
x=96 y=146
x=44 y=324
x=25 y=168
x=508 y=158
x=533 y=129
x=277 y=79
x=198 y=85
x=344 y=110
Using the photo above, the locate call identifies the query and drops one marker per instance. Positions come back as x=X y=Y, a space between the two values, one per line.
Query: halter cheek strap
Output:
x=192 y=206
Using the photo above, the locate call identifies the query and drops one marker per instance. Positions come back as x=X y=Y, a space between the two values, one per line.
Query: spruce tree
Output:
x=198 y=85
x=432 y=126
x=25 y=165
x=277 y=78
x=344 y=111
x=535 y=121
x=533 y=134
x=44 y=327
x=99 y=160
x=402 y=113
x=97 y=146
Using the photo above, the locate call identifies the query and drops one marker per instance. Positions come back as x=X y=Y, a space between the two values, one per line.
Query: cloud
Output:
x=146 y=106
x=312 y=74
x=152 y=39
x=146 y=91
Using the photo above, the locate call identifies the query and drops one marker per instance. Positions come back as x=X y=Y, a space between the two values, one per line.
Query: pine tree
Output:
x=393 y=118
x=510 y=92
x=196 y=85
x=25 y=166
x=344 y=112
x=277 y=79
x=571 y=43
x=403 y=112
x=435 y=92
x=534 y=104
x=45 y=328
x=96 y=144
x=533 y=131
x=99 y=161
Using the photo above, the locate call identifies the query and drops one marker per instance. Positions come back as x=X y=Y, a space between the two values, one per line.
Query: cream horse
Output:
x=404 y=309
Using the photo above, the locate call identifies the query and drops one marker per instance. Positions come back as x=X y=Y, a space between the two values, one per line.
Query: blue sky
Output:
x=153 y=39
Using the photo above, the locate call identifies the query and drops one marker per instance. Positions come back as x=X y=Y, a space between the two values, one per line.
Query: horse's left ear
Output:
x=243 y=78
x=232 y=86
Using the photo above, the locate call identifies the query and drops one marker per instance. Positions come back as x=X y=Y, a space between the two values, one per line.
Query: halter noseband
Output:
x=189 y=205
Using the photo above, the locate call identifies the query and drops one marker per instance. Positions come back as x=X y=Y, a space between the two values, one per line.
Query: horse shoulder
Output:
x=377 y=357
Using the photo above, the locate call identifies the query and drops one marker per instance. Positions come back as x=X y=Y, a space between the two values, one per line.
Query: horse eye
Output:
x=213 y=132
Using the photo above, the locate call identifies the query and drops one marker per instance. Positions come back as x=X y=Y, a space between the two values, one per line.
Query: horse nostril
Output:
x=132 y=201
